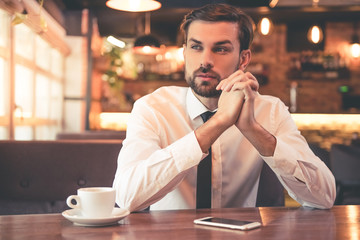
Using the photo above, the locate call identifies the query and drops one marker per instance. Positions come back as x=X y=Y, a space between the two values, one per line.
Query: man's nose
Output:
x=207 y=61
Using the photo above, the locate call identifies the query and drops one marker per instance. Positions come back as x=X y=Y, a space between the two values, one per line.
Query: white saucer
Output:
x=74 y=215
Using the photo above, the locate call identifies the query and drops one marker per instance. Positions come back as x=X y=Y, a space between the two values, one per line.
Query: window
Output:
x=43 y=54
x=57 y=63
x=42 y=97
x=36 y=94
x=2 y=87
x=3 y=133
x=24 y=39
x=23 y=92
x=4 y=74
x=4 y=26
x=24 y=133
x=56 y=104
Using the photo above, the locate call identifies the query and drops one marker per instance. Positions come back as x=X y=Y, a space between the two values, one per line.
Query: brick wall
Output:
x=315 y=96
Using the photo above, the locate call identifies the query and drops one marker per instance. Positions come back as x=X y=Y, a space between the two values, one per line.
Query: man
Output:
x=167 y=138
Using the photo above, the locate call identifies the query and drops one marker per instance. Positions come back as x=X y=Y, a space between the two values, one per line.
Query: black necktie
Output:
x=203 y=188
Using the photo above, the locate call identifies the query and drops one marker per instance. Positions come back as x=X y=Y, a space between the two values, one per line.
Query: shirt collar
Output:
x=193 y=105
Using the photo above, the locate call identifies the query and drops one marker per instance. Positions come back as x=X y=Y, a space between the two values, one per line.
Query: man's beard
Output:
x=204 y=89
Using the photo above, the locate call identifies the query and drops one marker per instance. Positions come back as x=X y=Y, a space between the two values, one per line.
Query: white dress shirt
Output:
x=157 y=164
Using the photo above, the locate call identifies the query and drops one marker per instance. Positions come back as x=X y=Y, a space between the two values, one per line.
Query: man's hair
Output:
x=222 y=13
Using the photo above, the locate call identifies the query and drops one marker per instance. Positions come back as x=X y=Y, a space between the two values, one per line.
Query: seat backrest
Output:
x=270 y=191
x=87 y=135
x=49 y=171
x=345 y=163
x=322 y=153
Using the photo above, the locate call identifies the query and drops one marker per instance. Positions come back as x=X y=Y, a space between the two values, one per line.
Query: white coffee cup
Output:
x=93 y=202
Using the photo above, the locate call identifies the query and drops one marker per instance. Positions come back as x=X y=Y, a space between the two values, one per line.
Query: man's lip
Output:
x=205 y=76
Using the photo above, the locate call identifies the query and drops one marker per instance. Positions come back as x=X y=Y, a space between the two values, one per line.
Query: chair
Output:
x=270 y=191
x=91 y=135
x=322 y=153
x=38 y=176
x=345 y=165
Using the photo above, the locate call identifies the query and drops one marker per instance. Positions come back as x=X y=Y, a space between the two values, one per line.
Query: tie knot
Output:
x=207 y=115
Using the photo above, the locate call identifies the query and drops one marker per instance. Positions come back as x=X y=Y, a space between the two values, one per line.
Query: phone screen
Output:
x=226 y=221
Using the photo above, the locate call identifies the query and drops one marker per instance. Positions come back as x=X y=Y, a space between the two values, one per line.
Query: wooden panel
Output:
x=340 y=222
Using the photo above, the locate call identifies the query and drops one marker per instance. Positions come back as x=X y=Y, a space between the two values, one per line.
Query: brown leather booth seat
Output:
x=91 y=134
x=37 y=176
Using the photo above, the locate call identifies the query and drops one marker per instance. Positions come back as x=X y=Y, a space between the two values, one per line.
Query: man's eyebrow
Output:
x=223 y=42
x=194 y=40
x=216 y=44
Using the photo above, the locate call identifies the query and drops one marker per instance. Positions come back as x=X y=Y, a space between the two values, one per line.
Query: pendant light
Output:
x=355 y=44
x=147 y=44
x=265 y=26
x=134 y=5
x=355 y=47
x=20 y=17
x=315 y=34
x=273 y=3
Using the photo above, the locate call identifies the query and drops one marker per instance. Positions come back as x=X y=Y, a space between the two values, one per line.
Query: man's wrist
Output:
x=207 y=133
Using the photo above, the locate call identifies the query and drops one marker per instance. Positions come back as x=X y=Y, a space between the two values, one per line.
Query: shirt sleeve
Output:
x=146 y=171
x=306 y=178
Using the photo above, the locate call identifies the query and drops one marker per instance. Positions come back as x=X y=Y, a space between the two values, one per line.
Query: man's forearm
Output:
x=207 y=133
x=261 y=139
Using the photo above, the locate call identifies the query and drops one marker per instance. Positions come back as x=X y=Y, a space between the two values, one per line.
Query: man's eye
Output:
x=221 y=50
x=196 y=47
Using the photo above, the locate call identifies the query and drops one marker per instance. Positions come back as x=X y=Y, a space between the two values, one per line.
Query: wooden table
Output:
x=340 y=222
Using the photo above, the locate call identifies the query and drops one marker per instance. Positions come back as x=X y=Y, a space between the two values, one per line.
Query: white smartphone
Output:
x=227 y=223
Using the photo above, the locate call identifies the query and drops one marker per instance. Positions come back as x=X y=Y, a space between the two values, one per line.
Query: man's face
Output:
x=212 y=53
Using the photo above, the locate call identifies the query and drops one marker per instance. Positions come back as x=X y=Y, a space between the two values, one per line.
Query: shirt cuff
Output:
x=186 y=152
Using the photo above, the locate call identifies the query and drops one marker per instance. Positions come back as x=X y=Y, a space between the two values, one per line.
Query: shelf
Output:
x=329 y=75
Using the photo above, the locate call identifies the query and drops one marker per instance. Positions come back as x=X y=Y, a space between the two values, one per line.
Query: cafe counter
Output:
x=320 y=129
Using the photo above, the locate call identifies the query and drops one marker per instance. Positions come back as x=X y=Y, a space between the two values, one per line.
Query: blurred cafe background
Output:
x=73 y=68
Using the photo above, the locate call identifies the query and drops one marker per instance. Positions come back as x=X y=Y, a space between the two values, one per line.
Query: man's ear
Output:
x=184 y=47
x=245 y=57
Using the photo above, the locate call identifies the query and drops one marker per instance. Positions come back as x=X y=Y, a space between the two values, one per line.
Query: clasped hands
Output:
x=236 y=102
x=236 y=107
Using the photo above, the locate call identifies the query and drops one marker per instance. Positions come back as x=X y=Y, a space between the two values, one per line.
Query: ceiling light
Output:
x=315 y=34
x=134 y=5
x=19 y=17
x=355 y=44
x=265 y=26
x=273 y=3
x=146 y=44
x=116 y=42
x=315 y=3
x=355 y=49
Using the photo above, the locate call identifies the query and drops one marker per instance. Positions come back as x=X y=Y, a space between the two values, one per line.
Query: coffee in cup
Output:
x=93 y=202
